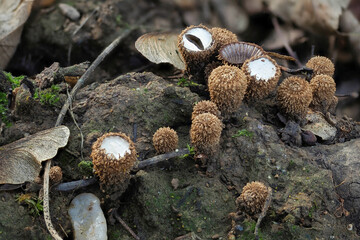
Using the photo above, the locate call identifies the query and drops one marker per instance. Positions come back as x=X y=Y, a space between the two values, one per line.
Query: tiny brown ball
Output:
x=165 y=140
x=294 y=96
x=55 y=174
x=252 y=198
x=321 y=65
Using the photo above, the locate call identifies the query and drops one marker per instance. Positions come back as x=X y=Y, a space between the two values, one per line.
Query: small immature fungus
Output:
x=165 y=140
x=223 y=36
x=196 y=45
x=323 y=89
x=55 y=174
x=262 y=74
x=321 y=65
x=238 y=52
x=205 y=133
x=227 y=86
x=113 y=157
x=294 y=96
x=205 y=107
x=252 y=198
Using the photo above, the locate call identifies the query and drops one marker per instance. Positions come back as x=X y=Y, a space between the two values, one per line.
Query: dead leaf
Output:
x=14 y=14
x=160 y=48
x=350 y=24
x=275 y=41
x=317 y=16
x=20 y=161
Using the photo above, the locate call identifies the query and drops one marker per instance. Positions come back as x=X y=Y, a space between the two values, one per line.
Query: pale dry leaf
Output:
x=160 y=48
x=20 y=161
x=13 y=15
x=292 y=35
x=350 y=24
x=317 y=16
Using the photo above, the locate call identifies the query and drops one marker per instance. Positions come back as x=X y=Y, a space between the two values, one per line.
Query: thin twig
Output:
x=78 y=127
x=46 y=207
x=89 y=71
x=162 y=157
x=74 y=185
x=116 y=215
x=263 y=213
x=64 y=109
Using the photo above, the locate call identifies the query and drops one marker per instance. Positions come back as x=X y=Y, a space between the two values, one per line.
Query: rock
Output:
x=87 y=218
x=69 y=11
x=319 y=126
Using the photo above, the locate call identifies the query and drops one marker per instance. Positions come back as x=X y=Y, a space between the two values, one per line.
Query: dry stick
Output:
x=285 y=42
x=125 y=225
x=263 y=213
x=162 y=157
x=64 y=109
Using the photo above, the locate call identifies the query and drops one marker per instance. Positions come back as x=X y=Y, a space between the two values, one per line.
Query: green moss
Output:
x=34 y=204
x=86 y=168
x=15 y=81
x=49 y=96
x=185 y=82
x=243 y=132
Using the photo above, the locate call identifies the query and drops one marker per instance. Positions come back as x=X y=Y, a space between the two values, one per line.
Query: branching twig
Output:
x=64 y=109
x=263 y=212
x=162 y=157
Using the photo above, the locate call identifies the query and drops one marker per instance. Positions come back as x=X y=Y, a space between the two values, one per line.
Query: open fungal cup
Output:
x=113 y=157
x=262 y=74
x=227 y=86
x=294 y=96
x=196 y=45
x=238 y=52
x=165 y=140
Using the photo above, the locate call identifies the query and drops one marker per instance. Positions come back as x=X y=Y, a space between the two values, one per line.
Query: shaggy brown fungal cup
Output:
x=294 y=96
x=223 y=36
x=262 y=74
x=321 y=65
x=113 y=157
x=237 y=53
x=227 y=86
x=55 y=174
x=323 y=89
x=205 y=133
x=205 y=107
x=165 y=140
x=252 y=198
x=196 y=45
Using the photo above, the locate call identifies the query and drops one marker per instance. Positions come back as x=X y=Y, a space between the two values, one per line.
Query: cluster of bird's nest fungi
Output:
x=234 y=72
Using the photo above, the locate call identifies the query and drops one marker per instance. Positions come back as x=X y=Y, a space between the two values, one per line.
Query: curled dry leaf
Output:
x=317 y=16
x=20 y=161
x=160 y=48
x=13 y=15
